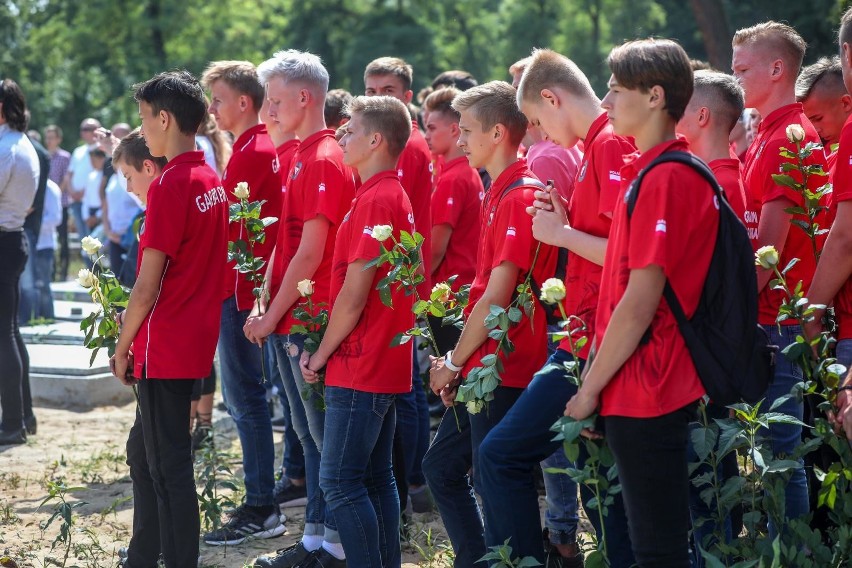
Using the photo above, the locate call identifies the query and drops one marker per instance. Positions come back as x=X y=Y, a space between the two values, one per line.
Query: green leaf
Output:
x=420 y=307
x=515 y=314
x=385 y=296
x=785 y=180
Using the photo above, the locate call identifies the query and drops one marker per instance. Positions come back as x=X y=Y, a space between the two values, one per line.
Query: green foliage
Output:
x=63 y=511
x=101 y=327
x=241 y=252
x=314 y=318
x=501 y=557
x=212 y=467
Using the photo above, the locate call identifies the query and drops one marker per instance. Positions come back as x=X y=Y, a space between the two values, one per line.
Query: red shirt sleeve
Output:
x=323 y=191
x=609 y=158
x=446 y=205
x=842 y=175
x=165 y=220
x=512 y=230
x=367 y=215
x=653 y=225
x=771 y=161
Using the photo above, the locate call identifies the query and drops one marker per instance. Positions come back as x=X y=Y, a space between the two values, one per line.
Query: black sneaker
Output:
x=279 y=424
x=321 y=558
x=288 y=494
x=244 y=524
x=553 y=558
x=12 y=437
x=289 y=557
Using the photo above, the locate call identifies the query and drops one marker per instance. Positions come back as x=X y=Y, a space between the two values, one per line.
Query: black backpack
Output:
x=731 y=352
x=551 y=311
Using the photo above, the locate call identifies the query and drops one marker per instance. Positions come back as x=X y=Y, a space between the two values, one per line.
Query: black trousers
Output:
x=652 y=466
x=15 y=399
x=165 y=506
x=60 y=274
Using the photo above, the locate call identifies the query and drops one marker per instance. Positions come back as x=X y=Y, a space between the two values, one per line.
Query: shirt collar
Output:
x=596 y=128
x=507 y=176
x=638 y=161
x=381 y=176
x=770 y=121
x=246 y=136
x=314 y=138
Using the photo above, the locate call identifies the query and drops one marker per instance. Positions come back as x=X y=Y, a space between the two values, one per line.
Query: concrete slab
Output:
x=72 y=311
x=69 y=291
x=60 y=376
x=57 y=333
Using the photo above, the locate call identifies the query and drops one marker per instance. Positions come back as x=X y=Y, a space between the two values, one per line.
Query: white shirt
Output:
x=19 y=169
x=51 y=216
x=80 y=167
x=121 y=207
x=92 y=197
x=203 y=143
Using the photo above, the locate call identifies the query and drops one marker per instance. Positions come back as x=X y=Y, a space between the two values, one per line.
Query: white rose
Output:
x=475 y=406
x=795 y=133
x=382 y=232
x=86 y=278
x=241 y=191
x=445 y=292
x=552 y=291
x=91 y=245
x=766 y=257
x=305 y=287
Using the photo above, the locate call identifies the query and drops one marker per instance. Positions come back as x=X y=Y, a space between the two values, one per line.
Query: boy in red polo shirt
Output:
x=833 y=277
x=393 y=77
x=236 y=97
x=825 y=101
x=647 y=390
x=317 y=194
x=712 y=112
x=766 y=60
x=363 y=374
x=169 y=332
x=492 y=127
x=456 y=202
x=557 y=97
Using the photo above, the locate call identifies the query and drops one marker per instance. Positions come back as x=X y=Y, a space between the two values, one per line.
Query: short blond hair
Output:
x=239 y=75
x=518 y=67
x=386 y=115
x=391 y=66
x=494 y=103
x=547 y=69
x=442 y=101
x=776 y=38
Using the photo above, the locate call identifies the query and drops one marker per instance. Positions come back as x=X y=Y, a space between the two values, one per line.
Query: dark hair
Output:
x=133 y=151
x=461 y=80
x=53 y=128
x=643 y=64
x=334 y=111
x=391 y=66
x=826 y=72
x=178 y=93
x=14 y=105
x=722 y=93
x=442 y=101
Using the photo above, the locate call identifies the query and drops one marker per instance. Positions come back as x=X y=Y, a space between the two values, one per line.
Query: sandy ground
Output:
x=86 y=451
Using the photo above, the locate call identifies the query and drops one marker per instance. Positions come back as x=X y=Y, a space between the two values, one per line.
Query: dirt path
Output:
x=86 y=452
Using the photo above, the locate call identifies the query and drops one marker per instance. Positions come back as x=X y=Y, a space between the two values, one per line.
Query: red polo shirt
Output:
x=673 y=226
x=456 y=202
x=762 y=160
x=841 y=178
x=254 y=161
x=365 y=361
x=414 y=169
x=285 y=152
x=506 y=235
x=319 y=184
x=728 y=172
x=593 y=200
x=187 y=219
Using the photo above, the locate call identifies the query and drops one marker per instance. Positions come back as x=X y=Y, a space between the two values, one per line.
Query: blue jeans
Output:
x=412 y=420
x=242 y=381
x=455 y=449
x=28 y=306
x=785 y=438
x=44 y=274
x=507 y=458
x=357 y=476
x=309 y=424
x=293 y=460
x=843 y=352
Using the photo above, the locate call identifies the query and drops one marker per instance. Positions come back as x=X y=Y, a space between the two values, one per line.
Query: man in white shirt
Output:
x=78 y=174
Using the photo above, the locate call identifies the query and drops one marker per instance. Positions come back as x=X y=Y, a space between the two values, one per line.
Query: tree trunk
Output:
x=710 y=16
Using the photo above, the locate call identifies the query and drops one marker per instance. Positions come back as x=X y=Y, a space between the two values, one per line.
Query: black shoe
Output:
x=12 y=437
x=246 y=523
x=279 y=424
x=31 y=424
x=554 y=559
x=288 y=494
x=321 y=558
x=289 y=557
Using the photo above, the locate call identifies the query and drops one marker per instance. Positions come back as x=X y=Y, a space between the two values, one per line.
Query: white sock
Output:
x=335 y=549
x=311 y=542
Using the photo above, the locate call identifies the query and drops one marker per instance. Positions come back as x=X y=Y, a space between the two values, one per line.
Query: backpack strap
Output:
x=704 y=171
x=520 y=182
